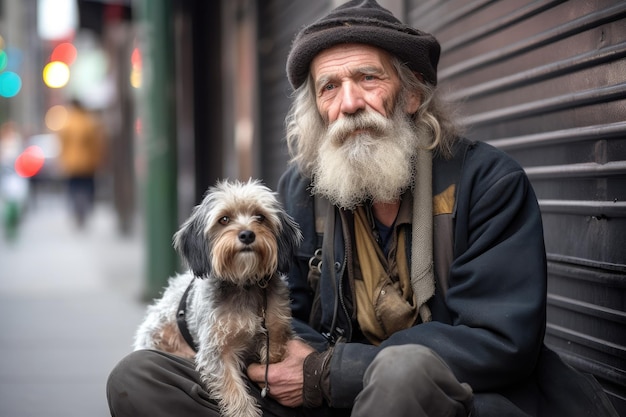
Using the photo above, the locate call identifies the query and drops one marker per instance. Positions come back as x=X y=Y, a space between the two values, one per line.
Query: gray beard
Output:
x=377 y=164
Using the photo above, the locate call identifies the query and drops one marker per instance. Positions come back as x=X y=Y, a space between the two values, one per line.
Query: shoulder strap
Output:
x=320 y=205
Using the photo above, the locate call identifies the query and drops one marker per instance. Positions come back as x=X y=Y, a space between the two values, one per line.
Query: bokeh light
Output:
x=138 y=126
x=135 y=79
x=10 y=84
x=64 y=52
x=3 y=59
x=56 y=117
x=56 y=74
x=57 y=19
x=135 y=73
x=30 y=161
x=15 y=57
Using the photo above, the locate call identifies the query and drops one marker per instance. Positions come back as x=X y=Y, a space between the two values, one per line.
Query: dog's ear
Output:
x=193 y=246
x=288 y=241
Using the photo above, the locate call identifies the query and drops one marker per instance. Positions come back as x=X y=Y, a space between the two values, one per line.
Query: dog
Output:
x=232 y=305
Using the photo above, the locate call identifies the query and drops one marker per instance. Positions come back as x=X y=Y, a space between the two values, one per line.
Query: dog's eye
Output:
x=260 y=218
x=224 y=220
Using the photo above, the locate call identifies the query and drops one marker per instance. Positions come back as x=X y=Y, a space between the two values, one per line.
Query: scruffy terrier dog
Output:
x=233 y=302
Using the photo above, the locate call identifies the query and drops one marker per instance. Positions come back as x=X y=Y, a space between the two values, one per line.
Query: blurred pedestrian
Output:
x=10 y=143
x=13 y=188
x=82 y=155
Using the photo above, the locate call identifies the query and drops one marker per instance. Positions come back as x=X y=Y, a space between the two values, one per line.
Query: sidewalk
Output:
x=69 y=306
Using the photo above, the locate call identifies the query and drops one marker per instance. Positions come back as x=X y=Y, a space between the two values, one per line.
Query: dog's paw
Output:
x=277 y=353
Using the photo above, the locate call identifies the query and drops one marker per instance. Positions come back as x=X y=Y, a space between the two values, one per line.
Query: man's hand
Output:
x=285 y=378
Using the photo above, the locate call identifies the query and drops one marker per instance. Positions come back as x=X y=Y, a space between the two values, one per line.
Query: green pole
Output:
x=160 y=145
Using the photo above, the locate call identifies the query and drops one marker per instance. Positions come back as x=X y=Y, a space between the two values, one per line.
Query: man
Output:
x=420 y=288
x=82 y=155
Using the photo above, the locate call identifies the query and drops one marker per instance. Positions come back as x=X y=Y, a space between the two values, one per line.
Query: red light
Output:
x=135 y=59
x=64 y=52
x=29 y=162
x=138 y=126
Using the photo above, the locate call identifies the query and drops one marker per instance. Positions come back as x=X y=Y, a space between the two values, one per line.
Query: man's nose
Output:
x=352 y=100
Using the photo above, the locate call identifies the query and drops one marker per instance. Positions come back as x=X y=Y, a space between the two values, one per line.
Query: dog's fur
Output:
x=238 y=243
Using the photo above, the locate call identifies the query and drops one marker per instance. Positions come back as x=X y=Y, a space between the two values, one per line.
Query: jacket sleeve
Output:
x=497 y=286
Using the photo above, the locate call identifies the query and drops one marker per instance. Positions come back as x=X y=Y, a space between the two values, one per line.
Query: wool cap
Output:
x=366 y=22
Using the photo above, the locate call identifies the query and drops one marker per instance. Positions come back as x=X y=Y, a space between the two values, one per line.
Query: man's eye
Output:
x=328 y=87
x=369 y=78
x=224 y=220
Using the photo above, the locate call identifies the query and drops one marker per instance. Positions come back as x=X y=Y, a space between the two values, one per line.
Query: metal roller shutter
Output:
x=546 y=82
x=279 y=21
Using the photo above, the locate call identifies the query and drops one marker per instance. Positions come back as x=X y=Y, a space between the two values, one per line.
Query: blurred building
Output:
x=65 y=49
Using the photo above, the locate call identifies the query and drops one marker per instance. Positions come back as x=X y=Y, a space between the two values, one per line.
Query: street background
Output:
x=69 y=306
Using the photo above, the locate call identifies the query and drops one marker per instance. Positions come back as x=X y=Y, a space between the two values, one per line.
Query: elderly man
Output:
x=420 y=288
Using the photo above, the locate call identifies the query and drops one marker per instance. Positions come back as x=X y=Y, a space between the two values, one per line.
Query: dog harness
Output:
x=181 y=320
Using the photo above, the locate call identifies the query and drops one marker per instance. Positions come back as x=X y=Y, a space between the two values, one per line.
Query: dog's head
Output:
x=239 y=233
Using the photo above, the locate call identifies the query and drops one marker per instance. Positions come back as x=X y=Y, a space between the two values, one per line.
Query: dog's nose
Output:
x=247 y=236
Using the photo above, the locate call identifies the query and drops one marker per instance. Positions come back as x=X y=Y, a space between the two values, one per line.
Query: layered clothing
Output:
x=489 y=305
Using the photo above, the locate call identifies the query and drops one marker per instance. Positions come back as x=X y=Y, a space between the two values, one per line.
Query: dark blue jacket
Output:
x=489 y=308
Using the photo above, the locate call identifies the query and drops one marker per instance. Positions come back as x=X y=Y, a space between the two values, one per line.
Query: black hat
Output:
x=363 y=21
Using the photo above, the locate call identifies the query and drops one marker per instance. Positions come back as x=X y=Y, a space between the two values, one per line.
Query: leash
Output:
x=266 y=388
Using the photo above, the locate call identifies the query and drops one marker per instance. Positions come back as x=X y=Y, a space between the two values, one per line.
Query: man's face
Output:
x=352 y=78
x=368 y=149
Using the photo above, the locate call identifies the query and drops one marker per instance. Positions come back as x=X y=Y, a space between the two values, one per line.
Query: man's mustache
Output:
x=374 y=123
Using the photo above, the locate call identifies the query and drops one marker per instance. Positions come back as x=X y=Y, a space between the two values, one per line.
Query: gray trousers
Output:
x=409 y=380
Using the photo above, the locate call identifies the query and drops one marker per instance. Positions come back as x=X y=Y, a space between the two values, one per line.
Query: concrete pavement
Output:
x=69 y=306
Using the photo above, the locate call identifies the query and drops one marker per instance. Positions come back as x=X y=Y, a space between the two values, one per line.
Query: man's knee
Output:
x=127 y=374
x=152 y=383
x=405 y=364
x=130 y=366
x=143 y=367
x=417 y=371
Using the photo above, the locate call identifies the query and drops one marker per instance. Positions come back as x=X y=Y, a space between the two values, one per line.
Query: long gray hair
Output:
x=305 y=126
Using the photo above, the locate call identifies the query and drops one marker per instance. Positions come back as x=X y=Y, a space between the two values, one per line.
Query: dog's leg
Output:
x=278 y=324
x=220 y=363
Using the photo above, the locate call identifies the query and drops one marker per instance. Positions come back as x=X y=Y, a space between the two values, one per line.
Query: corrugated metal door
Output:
x=546 y=82
x=278 y=22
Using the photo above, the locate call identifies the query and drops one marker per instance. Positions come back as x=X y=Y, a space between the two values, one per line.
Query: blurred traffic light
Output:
x=56 y=73
x=135 y=72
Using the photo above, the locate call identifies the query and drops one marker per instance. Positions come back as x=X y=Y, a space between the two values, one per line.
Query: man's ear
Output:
x=413 y=103
x=414 y=100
